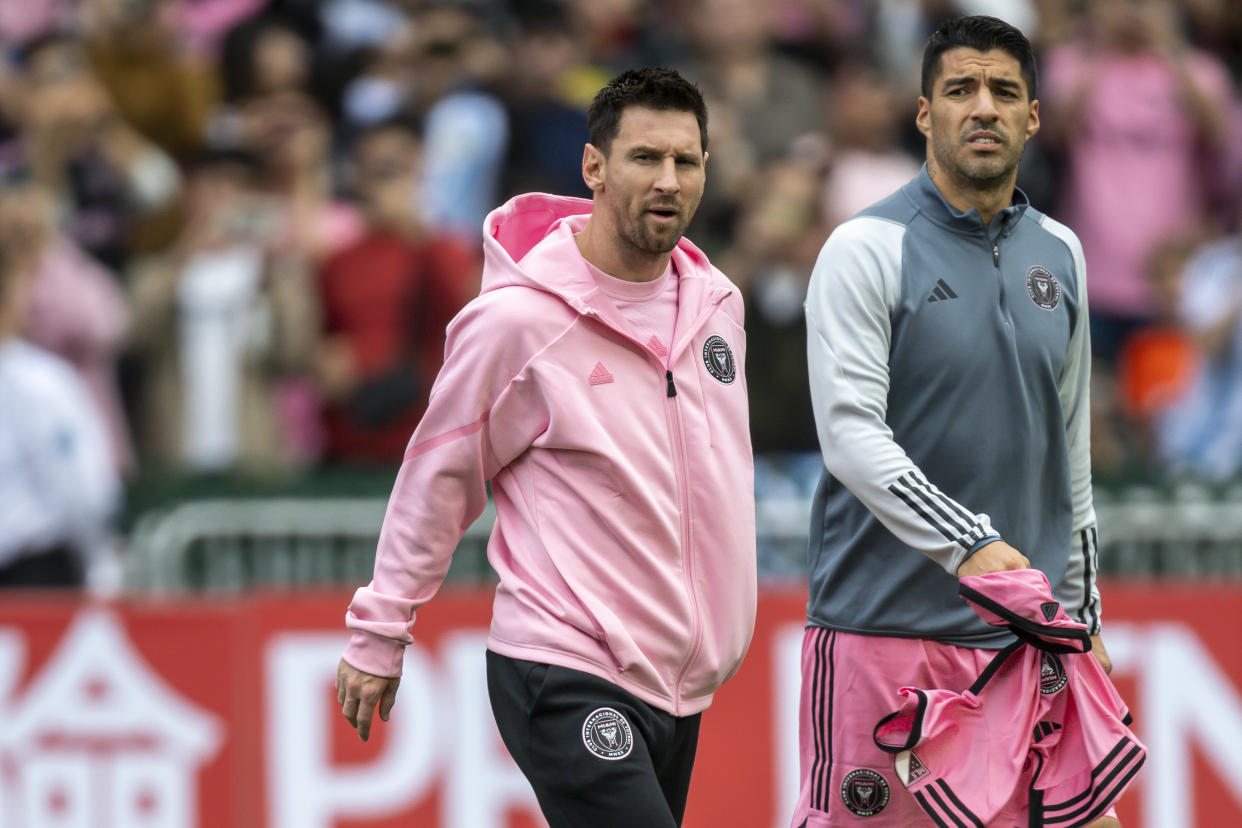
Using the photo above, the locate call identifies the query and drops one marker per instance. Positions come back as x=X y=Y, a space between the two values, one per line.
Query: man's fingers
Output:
x=350 y=710
x=388 y=699
x=366 y=709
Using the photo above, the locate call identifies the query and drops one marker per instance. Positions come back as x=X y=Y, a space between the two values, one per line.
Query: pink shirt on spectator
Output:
x=77 y=311
x=1134 y=159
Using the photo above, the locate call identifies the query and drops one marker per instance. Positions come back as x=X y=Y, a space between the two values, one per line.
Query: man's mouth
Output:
x=984 y=140
x=664 y=213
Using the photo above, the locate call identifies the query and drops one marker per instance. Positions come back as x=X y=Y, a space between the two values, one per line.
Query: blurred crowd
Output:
x=234 y=230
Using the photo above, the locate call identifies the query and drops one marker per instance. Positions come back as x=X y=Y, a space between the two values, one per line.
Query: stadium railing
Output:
x=233 y=544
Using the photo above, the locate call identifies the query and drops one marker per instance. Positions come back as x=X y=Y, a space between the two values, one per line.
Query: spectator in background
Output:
x=466 y=127
x=105 y=178
x=58 y=484
x=292 y=137
x=1200 y=433
x=140 y=59
x=549 y=126
x=761 y=101
x=1142 y=119
x=386 y=301
x=220 y=321
x=73 y=307
x=865 y=160
x=778 y=234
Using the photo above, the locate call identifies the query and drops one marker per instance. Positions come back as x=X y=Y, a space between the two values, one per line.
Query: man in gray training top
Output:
x=949 y=370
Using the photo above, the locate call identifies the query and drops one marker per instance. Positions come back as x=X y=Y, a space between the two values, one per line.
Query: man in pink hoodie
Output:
x=597 y=382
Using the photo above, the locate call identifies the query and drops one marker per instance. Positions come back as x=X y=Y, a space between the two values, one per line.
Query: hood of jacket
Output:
x=516 y=227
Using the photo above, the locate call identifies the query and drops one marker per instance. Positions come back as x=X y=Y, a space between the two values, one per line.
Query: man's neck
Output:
x=619 y=260
x=988 y=200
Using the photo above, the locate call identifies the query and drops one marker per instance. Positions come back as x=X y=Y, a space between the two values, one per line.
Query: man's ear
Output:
x=923 y=119
x=593 y=167
x=1032 y=124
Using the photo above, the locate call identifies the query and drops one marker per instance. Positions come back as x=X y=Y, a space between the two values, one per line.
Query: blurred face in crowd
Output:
x=1132 y=25
x=978 y=120
x=649 y=184
x=730 y=28
x=280 y=61
x=60 y=93
x=863 y=108
x=386 y=165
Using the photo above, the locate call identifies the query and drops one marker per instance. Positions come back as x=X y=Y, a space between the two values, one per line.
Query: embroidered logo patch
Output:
x=1043 y=287
x=599 y=375
x=607 y=734
x=909 y=767
x=1051 y=674
x=1049 y=609
x=718 y=358
x=864 y=792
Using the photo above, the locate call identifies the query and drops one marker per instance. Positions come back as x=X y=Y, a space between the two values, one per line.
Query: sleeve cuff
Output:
x=375 y=655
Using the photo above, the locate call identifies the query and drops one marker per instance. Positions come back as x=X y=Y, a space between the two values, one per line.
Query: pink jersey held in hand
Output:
x=1042 y=716
x=622 y=475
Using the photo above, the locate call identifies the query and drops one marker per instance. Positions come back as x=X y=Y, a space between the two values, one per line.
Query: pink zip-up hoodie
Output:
x=622 y=475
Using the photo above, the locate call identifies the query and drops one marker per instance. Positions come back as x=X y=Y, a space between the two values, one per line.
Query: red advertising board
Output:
x=141 y=713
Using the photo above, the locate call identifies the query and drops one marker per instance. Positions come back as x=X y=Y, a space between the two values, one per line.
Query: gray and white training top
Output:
x=949 y=372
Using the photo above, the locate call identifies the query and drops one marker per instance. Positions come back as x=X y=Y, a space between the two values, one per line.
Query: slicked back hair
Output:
x=984 y=34
x=653 y=88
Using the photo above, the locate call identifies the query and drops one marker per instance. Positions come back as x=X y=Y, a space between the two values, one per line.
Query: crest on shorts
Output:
x=607 y=734
x=1043 y=287
x=1051 y=674
x=718 y=357
x=864 y=792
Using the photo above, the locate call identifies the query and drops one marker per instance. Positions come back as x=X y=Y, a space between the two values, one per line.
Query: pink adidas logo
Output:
x=657 y=346
x=599 y=375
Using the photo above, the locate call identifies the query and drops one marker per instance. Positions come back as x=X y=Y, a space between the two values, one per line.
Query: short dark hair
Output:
x=984 y=34
x=654 y=88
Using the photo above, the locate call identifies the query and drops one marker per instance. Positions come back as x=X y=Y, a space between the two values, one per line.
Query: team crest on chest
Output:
x=864 y=792
x=607 y=734
x=1043 y=287
x=1051 y=674
x=718 y=357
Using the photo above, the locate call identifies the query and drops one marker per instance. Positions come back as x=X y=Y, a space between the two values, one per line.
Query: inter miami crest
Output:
x=865 y=792
x=1051 y=674
x=1043 y=287
x=718 y=358
x=607 y=734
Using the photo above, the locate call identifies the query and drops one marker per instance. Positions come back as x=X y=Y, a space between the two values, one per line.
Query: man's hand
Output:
x=1097 y=647
x=358 y=692
x=997 y=556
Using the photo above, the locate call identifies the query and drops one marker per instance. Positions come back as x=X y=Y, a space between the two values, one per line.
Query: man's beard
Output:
x=639 y=234
x=981 y=174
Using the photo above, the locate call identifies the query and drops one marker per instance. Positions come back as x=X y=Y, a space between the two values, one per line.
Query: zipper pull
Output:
x=672 y=389
x=996 y=254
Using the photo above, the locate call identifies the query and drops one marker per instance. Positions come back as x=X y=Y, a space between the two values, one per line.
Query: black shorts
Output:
x=597 y=756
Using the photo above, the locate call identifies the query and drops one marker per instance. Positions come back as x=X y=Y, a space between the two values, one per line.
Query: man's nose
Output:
x=666 y=180
x=985 y=106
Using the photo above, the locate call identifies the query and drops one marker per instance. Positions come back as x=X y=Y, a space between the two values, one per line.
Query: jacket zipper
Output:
x=683 y=495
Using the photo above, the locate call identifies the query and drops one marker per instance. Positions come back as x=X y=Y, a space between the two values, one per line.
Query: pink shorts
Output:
x=849 y=682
